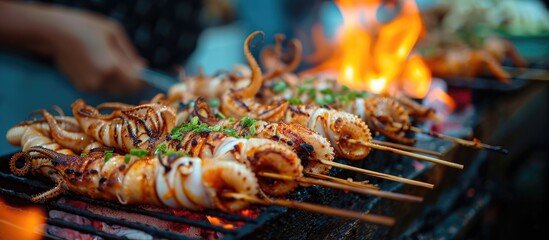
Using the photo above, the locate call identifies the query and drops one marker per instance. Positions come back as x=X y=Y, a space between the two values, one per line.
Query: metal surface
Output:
x=158 y=80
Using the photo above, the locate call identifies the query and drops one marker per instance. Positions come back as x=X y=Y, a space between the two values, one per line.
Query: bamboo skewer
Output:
x=473 y=144
x=409 y=154
x=378 y=193
x=376 y=219
x=378 y=174
x=407 y=148
x=342 y=181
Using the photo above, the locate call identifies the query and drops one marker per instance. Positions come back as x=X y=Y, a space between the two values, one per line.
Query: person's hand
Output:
x=95 y=53
x=91 y=50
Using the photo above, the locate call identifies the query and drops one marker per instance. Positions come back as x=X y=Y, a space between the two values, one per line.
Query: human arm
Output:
x=92 y=51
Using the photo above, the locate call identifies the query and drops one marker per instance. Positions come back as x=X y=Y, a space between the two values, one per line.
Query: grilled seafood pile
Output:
x=178 y=152
x=279 y=88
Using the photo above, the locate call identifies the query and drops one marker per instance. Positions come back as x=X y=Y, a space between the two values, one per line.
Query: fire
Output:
x=27 y=223
x=416 y=78
x=375 y=56
x=218 y=222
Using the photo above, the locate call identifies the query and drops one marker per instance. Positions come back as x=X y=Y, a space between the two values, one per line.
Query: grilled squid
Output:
x=271 y=58
x=380 y=113
x=257 y=154
x=31 y=134
x=140 y=127
x=310 y=147
x=241 y=102
x=338 y=127
x=174 y=182
x=414 y=109
x=203 y=85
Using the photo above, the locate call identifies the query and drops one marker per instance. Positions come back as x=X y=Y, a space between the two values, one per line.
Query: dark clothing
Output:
x=164 y=32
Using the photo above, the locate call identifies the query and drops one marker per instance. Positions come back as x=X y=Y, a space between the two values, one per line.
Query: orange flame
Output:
x=27 y=223
x=416 y=77
x=372 y=55
x=218 y=222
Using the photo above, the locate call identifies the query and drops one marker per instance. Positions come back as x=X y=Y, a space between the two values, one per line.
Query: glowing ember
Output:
x=218 y=222
x=371 y=55
x=25 y=223
x=439 y=95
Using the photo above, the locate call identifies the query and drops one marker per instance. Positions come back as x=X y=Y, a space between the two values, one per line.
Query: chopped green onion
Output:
x=194 y=120
x=83 y=155
x=252 y=130
x=220 y=115
x=319 y=101
x=295 y=101
x=160 y=149
x=247 y=121
x=231 y=119
x=329 y=99
x=309 y=81
x=300 y=90
x=127 y=158
x=215 y=128
x=214 y=102
x=108 y=155
x=138 y=152
x=230 y=132
x=326 y=91
x=280 y=87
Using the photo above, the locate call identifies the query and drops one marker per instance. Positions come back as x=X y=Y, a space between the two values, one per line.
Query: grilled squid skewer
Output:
x=175 y=182
x=140 y=127
x=310 y=147
x=380 y=113
x=257 y=154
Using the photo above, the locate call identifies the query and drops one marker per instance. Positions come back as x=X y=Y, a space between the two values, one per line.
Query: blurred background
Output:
x=169 y=35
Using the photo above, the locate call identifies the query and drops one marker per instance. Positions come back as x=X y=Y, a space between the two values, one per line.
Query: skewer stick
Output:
x=342 y=181
x=378 y=174
x=376 y=219
x=473 y=144
x=378 y=193
x=409 y=154
x=407 y=148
